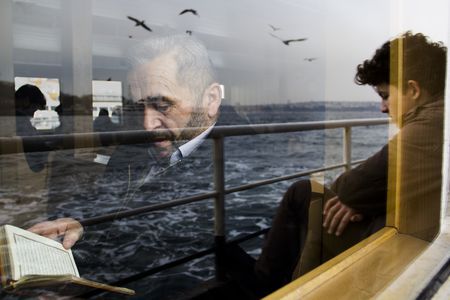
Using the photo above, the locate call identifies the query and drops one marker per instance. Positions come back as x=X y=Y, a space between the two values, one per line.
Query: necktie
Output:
x=163 y=164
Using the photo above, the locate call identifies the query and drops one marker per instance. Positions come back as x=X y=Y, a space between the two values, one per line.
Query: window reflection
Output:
x=245 y=68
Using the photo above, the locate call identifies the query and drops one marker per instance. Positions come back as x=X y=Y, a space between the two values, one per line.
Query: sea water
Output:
x=185 y=230
x=139 y=243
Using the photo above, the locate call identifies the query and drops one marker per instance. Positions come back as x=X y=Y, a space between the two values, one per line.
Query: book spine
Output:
x=5 y=263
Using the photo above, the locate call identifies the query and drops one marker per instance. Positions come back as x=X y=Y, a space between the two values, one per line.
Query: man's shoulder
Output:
x=124 y=155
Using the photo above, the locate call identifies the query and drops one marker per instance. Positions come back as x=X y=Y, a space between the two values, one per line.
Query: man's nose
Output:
x=152 y=119
x=384 y=107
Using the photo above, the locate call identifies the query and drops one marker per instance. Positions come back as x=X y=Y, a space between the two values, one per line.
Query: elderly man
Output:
x=173 y=85
x=178 y=90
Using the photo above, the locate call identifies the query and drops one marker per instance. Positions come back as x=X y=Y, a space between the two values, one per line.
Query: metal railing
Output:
x=218 y=134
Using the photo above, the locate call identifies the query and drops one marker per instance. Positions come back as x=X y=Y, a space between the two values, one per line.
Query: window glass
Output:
x=108 y=75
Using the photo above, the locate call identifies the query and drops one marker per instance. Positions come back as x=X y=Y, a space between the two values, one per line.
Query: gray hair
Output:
x=195 y=69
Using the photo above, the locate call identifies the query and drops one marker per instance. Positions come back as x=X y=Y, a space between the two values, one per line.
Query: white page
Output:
x=37 y=255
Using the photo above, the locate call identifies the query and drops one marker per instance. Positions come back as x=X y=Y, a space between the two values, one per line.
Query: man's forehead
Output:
x=163 y=66
x=158 y=78
x=158 y=72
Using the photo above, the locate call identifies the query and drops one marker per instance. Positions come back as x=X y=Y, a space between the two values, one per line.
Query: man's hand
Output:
x=70 y=228
x=337 y=215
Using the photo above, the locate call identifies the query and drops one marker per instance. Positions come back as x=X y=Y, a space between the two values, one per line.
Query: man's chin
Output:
x=164 y=148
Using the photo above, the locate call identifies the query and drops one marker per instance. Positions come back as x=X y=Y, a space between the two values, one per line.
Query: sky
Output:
x=254 y=66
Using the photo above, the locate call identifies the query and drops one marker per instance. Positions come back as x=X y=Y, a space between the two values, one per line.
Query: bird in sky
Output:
x=190 y=10
x=139 y=23
x=287 y=42
x=189 y=32
x=274 y=28
x=130 y=36
x=310 y=58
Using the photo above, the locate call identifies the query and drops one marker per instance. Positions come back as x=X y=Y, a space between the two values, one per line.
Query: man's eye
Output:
x=160 y=104
x=162 y=107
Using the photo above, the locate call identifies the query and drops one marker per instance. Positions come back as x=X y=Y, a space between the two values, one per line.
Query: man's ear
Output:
x=413 y=90
x=212 y=98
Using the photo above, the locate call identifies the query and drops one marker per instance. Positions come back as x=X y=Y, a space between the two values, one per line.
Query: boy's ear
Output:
x=413 y=89
x=212 y=98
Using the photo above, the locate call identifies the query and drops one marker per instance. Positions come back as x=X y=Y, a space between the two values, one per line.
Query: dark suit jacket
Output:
x=413 y=159
x=150 y=237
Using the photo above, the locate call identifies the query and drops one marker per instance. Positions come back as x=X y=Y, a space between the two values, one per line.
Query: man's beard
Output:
x=197 y=123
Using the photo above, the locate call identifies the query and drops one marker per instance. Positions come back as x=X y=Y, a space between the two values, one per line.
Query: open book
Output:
x=30 y=261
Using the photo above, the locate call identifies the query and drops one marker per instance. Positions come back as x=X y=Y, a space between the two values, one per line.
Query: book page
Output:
x=37 y=255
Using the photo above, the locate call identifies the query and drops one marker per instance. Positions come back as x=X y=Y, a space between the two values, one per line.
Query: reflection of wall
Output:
x=106 y=94
x=7 y=111
x=48 y=86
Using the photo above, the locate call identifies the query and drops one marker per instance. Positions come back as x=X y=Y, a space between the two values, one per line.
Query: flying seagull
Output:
x=139 y=23
x=189 y=32
x=192 y=11
x=274 y=28
x=310 y=58
x=287 y=42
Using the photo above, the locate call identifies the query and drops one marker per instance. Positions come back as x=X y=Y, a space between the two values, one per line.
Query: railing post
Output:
x=219 y=207
x=347 y=147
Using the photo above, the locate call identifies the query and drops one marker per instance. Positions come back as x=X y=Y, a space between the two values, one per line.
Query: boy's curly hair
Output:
x=423 y=61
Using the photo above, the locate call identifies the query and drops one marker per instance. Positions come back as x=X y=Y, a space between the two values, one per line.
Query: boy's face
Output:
x=389 y=100
x=394 y=102
x=383 y=91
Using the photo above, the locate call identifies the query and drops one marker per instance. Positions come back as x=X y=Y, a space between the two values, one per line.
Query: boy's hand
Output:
x=337 y=216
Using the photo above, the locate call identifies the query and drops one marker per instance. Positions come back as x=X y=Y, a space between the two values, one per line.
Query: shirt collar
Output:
x=187 y=148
